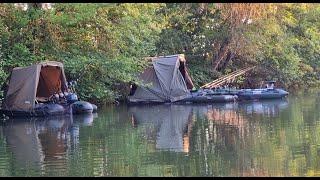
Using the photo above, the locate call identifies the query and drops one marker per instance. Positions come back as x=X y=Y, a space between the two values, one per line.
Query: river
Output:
x=261 y=138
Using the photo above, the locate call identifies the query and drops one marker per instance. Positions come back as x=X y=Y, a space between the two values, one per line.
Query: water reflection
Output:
x=262 y=138
x=172 y=124
x=215 y=133
x=228 y=131
x=42 y=143
x=269 y=108
x=84 y=119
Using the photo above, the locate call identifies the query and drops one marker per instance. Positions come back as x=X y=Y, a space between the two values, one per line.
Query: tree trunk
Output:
x=229 y=57
x=221 y=53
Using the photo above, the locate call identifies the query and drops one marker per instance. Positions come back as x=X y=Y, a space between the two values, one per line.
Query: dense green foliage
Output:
x=103 y=45
x=289 y=45
x=282 y=39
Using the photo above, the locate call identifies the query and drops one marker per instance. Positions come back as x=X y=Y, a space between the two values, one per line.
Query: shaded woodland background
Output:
x=103 y=45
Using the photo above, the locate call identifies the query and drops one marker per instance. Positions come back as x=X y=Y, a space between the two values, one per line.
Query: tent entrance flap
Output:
x=50 y=81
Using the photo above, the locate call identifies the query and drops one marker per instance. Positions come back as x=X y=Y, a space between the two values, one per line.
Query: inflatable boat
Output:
x=79 y=107
x=210 y=99
x=270 y=92
x=207 y=96
x=39 y=111
x=256 y=94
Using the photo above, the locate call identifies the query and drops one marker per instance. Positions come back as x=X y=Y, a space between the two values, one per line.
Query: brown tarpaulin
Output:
x=26 y=83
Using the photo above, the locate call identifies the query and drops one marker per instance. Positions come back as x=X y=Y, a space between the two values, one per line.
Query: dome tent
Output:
x=27 y=84
x=166 y=80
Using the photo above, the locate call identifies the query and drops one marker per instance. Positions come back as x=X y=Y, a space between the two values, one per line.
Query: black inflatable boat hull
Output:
x=210 y=99
x=80 y=107
x=262 y=94
x=39 y=111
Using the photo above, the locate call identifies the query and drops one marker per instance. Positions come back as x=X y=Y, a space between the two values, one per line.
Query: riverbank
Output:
x=104 y=45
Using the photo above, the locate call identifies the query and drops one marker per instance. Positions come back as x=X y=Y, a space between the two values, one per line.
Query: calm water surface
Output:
x=265 y=138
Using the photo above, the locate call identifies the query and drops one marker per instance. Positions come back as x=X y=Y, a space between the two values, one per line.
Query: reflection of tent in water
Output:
x=167 y=80
x=38 y=141
x=41 y=140
x=32 y=83
x=171 y=122
x=23 y=140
